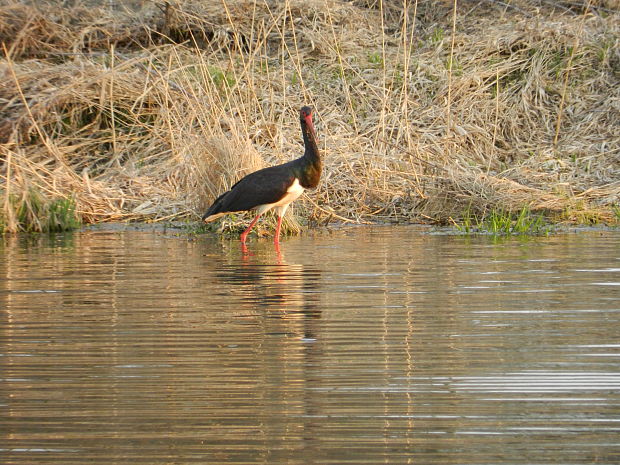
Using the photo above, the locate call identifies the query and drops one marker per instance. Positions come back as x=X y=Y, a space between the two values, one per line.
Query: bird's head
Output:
x=305 y=115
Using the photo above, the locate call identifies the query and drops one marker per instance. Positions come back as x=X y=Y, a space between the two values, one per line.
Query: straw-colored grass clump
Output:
x=423 y=112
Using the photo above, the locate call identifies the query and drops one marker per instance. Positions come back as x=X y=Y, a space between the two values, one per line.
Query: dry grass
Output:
x=148 y=114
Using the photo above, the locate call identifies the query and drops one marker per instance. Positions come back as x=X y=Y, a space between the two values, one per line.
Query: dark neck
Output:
x=312 y=150
x=310 y=164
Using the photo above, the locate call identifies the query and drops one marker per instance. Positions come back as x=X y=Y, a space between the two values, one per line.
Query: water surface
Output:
x=363 y=345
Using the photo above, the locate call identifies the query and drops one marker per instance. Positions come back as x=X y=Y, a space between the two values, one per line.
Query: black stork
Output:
x=274 y=187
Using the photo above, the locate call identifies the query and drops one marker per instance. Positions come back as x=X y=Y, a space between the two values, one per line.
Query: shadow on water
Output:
x=364 y=345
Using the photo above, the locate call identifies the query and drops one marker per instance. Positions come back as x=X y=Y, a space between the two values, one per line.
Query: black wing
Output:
x=258 y=188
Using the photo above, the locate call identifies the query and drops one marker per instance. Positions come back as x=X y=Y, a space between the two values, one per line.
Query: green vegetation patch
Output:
x=32 y=212
x=500 y=222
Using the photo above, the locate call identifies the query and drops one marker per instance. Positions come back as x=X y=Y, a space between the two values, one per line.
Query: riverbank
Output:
x=424 y=114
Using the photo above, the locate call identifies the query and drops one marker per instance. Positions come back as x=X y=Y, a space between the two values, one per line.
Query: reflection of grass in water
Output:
x=499 y=222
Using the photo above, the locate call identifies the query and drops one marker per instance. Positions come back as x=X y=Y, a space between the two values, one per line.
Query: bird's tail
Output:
x=214 y=211
x=211 y=215
x=207 y=218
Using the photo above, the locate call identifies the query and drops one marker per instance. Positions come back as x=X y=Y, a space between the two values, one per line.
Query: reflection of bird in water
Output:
x=272 y=284
x=283 y=303
x=283 y=291
x=274 y=187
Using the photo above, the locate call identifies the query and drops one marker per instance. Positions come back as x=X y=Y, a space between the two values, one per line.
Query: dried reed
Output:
x=424 y=110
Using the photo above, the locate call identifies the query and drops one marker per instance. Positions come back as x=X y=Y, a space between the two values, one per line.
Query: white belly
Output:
x=292 y=193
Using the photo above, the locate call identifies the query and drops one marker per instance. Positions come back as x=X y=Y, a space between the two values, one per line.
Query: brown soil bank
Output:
x=423 y=109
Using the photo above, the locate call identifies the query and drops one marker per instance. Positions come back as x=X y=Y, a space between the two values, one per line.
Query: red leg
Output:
x=276 y=239
x=278 y=252
x=245 y=233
